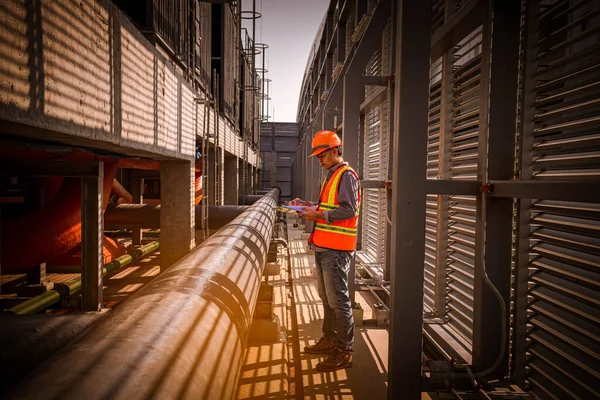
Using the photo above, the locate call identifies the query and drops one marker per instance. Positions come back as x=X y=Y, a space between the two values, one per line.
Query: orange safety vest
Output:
x=339 y=235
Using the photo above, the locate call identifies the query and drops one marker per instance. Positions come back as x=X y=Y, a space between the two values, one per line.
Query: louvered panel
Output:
x=567 y=98
x=433 y=160
x=373 y=204
x=388 y=52
x=335 y=58
x=461 y=264
x=350 y=26
x=563 y=353
x=437 y=14
x=374 y=67
x=564 y=306
x=458 y=4
x=434 y=129
x=430 y=253
x=465 y=107
x=336 y=15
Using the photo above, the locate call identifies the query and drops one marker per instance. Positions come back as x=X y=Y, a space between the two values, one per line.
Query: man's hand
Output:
x=299 y=202
x=311 y=215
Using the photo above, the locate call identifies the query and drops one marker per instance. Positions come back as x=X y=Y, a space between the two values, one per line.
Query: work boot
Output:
x=338 y=359
x=323 y=346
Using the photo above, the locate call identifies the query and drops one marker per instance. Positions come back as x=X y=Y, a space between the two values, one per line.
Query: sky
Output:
x=288 y=27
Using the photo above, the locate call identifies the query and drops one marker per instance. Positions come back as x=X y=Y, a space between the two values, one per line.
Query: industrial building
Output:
x=143 y=252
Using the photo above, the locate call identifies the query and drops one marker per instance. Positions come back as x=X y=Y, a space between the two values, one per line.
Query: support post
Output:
x=137 y=194
x=177 y=214
x=250 y=181
x=92 y=235
x=212 y=177
x=413 y=38
x=352 y=97
x=499 y=135
x=231 y=180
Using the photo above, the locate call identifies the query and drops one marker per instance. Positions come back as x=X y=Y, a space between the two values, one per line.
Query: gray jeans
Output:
x=332 y=268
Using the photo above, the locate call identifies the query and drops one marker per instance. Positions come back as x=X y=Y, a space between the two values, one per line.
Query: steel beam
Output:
x=446 y=186
x=92 y=257
x=374 y=80
x=577 y=191
x=353 y=94
x=413 y=38
x=84 y=169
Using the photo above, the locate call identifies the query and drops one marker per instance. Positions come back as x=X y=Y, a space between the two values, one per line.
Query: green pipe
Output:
x=45 y=300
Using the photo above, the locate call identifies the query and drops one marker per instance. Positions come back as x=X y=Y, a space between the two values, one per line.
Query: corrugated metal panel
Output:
x=465 y=107
x=229 y=66
x=375 y=168
x=430 y=252
x=463 y=165
x=563 y=353
x=433 y=159
x=434 y=130
x=371 y=168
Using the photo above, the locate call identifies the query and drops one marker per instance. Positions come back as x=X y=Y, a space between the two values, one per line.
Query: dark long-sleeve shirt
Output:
x=347 y=197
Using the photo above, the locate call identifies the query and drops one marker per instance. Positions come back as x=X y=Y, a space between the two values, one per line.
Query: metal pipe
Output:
x=45 y=300
x=147 y=216
x=503 y=316
x=181 y=336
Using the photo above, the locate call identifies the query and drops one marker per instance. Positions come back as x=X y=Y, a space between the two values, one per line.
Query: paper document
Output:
x=295 y=208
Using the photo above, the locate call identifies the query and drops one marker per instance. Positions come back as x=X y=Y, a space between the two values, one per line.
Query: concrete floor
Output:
x=282 y=370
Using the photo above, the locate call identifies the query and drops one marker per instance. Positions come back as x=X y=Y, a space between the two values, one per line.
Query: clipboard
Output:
x=294 y=209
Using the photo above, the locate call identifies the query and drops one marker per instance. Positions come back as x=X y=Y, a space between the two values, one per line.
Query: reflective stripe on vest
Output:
x=339 y=235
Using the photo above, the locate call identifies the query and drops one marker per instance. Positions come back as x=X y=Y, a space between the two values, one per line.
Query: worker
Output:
x=334 y=241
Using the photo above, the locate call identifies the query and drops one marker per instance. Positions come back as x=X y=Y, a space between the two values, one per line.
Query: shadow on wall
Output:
x=83 y=69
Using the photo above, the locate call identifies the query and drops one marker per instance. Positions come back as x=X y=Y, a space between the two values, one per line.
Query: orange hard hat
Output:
x=324 y=140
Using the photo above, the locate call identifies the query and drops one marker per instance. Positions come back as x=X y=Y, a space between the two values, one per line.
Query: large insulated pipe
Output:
x=181 y=336
x=147 y=216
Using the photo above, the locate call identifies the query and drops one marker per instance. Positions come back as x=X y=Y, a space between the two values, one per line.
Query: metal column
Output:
x=137 y=194
x=413 y=38
x=177 y=216
x=497 y=135
x=92 y=235
x=352 y=97
x=525 y=158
